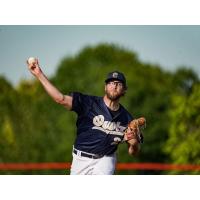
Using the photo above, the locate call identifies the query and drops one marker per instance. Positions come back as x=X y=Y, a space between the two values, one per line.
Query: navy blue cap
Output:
x=116 y=76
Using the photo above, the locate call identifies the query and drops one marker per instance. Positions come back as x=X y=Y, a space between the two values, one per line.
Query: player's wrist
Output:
x=126 y=138
x=40 y=75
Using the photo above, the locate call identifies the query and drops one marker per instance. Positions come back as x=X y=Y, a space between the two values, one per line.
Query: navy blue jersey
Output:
x=97 y=131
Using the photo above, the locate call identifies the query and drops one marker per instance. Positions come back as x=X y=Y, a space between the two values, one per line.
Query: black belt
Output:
x=84 y=154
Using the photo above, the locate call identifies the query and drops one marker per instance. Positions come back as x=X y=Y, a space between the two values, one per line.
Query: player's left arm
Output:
x=133 y=136
x=133 y=147
x=132 y=141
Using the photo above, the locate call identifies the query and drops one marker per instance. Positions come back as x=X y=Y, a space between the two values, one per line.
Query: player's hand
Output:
x=34 y=67
x=130 y=137
x=133 y=132
x=130 y=134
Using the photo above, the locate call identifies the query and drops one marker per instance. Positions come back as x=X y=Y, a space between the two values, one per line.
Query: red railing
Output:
x=120 y=166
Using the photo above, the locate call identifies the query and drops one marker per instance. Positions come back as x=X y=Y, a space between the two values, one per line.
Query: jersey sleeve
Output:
x=130 y=117
x=127 y=115
x=79 y=102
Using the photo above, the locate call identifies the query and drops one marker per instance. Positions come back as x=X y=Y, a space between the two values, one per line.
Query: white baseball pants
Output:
x=89 y=166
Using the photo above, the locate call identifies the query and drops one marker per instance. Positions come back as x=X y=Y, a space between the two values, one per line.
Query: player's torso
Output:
x=97 y=131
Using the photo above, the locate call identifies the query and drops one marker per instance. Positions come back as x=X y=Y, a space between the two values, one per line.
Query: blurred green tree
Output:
x=183 y=144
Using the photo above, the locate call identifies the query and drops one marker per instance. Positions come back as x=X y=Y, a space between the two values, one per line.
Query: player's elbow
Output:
x=58 y=100
x=65 y=101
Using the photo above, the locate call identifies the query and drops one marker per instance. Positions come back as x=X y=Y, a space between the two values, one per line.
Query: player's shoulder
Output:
x=126 y=112
x=83 y=96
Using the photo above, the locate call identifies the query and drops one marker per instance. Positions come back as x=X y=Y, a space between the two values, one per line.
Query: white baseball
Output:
x=32 y=60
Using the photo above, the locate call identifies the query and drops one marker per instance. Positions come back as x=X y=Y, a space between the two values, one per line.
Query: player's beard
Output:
x=114 y=96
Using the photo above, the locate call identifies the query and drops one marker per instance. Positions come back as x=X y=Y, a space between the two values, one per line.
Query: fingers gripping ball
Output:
x=32 y=62
x=133 y=131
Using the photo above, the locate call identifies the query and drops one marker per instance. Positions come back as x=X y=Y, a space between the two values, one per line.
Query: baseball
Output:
x=32 y=60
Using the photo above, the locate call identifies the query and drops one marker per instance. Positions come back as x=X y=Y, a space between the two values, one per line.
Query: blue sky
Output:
x=168 y=46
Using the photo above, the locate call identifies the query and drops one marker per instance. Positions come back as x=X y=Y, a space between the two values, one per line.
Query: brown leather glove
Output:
x=133 y=132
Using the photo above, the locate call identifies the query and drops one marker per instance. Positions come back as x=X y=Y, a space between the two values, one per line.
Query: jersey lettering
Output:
x=107 y=127
x=117 y=140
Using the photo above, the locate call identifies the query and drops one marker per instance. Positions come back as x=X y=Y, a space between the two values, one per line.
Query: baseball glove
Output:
x=133 y=132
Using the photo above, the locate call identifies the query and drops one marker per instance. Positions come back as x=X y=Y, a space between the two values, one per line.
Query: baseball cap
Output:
x=116 y=75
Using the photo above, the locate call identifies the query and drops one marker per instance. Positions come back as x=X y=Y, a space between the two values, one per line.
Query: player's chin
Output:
x=114 y=97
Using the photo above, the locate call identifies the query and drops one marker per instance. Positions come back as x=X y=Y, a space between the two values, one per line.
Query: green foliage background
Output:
x=35 y=129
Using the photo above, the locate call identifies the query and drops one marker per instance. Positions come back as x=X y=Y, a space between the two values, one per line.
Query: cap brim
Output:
x=112 y=79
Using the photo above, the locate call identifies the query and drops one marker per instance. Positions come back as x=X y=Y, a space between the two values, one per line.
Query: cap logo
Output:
x=115 y=75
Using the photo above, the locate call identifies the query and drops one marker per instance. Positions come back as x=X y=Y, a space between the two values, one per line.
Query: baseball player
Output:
x=101 y=123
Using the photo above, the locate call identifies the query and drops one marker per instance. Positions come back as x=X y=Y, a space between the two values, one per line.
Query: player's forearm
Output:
x=133 y=149
x=50 y=88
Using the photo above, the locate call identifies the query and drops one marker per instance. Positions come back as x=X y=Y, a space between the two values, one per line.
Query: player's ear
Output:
x=124 y=91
